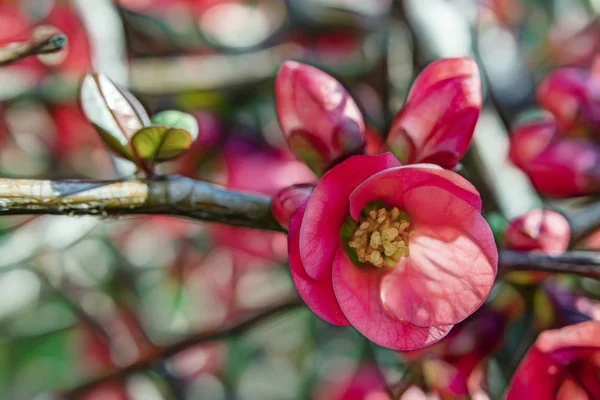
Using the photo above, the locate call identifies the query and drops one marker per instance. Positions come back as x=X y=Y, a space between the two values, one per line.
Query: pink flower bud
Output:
x=573 y=96
x=541 y=230
x=287 y=201
x=558 y=167
x=438 y=120
x=321 y=122
x=538 y=230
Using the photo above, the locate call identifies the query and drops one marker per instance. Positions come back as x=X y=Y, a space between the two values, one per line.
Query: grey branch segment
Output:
x=582 y=263
x=173 y=195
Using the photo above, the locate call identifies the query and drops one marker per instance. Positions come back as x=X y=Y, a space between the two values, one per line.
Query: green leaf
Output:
x=160 y=143
x=115 y=113
x=177 y=119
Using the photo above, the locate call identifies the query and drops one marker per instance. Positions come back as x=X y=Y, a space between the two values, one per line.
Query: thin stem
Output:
x=172 y=195
x=169 y=351
x=17 y=51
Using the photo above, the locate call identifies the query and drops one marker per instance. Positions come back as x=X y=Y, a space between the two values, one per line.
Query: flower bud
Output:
x=540 y=230
x=287 y=201
x=573 y=96
x=321 y=122
x=557 y=167
x=438 y=120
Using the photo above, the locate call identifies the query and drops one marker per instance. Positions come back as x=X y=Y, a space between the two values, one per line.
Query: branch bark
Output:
x=582 y=263
x=42 y=45
x=172 y=195
x=169 y=351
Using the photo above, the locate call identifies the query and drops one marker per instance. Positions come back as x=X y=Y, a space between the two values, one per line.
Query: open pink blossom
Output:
x=321 y=122
x=563 y=364
x=402 y=253
x=438 y=120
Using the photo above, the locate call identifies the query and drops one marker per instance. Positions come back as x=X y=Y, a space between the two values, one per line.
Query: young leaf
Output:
x=177 y=119
x=160 y=143
x=115 y=113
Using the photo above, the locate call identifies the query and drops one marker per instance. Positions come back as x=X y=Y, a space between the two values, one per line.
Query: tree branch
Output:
x=166 y=352
x=172 y=195
x=582 y=263
x=46 y=44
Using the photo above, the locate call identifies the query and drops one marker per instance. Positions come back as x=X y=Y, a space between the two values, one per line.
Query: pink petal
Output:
x=452 y=263
x=328 y=207
x=438 y=120
x=535 y=379
x=320 y=120
x=389 y=186
x=585 y=335
x=317 y=294
x=358 y=293
x=441 y=70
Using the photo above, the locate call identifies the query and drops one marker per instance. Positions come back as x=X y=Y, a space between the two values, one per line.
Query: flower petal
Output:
x=327 y=208
x=358 y=293
x=440 y=70
x=389 y=186
x=535 y=378
x=452 y=263
x=317 y=294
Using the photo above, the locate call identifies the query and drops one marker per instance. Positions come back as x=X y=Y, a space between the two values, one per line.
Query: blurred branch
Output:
x=171 y=195
x=582 y=263
x=176 y=348
x=79 y=312
x=45 y=44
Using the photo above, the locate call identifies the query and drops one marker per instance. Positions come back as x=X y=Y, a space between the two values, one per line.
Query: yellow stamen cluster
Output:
x=381 y=238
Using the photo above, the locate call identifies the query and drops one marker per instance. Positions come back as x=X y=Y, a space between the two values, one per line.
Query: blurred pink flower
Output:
x=572 y=95
x=558 y=167
x=563 y=364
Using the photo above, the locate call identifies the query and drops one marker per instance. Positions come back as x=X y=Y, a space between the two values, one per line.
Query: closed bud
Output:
x=286 y=202
x=320 y=120
x=545 y=231
x=438 y=120
x=557 y=167
x=573 y=96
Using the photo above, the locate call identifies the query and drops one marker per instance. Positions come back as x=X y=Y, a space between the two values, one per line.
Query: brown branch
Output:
x=166 y=352
x=48 y=43
x=582 y=263
x=172 y=195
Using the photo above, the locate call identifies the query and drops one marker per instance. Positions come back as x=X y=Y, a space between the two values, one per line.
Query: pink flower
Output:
x=438 y=120
x=321 y=122
x=402 y=253
x=541 y=230
x=558 y=167
x=562 y=364
x=573 y=96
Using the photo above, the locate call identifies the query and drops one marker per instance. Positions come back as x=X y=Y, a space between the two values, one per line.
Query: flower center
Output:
x=381 y=237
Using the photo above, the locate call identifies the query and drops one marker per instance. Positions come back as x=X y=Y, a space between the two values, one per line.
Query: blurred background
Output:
x=84 y=297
